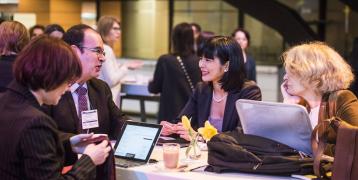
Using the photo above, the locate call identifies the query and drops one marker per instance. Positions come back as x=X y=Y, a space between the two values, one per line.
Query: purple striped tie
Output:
x=82 y=100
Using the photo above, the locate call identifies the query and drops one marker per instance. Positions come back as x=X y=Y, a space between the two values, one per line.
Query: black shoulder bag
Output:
x=185 y=73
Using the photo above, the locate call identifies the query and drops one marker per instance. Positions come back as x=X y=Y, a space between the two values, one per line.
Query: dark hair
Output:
x=203 y=38
x=247 y=34
x=197 y=26
x=105 y=24
x=183 y=39
x=13 y=37
x=46 y=63
x=37 y=26
x=75 y=35
x=227 y=50
x=53 y=27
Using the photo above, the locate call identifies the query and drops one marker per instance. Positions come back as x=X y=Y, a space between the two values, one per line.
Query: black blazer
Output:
x=30 y=146
x=198 y=106
x=250 y=67
x=170 y=81
x=6 y=76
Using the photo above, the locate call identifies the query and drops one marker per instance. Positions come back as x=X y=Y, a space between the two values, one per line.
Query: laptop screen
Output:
x=137 y=140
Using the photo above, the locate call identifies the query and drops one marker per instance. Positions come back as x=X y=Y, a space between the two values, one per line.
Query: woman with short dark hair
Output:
x=13 y=38
x=36 y=30
x=31 y=146
x=55 y=30
x=176 y=74
x=222 y=68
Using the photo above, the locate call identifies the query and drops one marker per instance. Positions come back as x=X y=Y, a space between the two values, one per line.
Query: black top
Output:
x=250 y=67
x=30 y=146
x=6 y=76
x=170 y=81
x=199 y=105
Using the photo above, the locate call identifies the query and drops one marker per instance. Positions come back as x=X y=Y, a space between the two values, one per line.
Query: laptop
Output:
x=286 y=123
x=135 y=143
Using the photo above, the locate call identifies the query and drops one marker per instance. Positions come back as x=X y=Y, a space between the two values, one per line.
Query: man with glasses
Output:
x=88 y=107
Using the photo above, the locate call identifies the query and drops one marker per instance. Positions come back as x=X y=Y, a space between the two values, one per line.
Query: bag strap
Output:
x=185 y=73
x=326 y=117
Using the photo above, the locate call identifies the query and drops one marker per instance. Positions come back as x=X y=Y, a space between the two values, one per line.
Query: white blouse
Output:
x=313 y=115
x=112 y=71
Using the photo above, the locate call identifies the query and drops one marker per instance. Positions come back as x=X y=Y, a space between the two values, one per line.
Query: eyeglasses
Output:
x=116 y=28
x=206 y=60
x=97 y=50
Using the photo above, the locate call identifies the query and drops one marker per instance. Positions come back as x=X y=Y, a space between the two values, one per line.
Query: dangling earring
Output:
x=227 y=66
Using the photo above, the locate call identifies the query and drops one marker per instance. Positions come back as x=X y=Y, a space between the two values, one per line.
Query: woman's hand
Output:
x=287 y=97
x=98 y=153
x=132 y=65
x=183 y=133
x=81 y=141
x=168 y=128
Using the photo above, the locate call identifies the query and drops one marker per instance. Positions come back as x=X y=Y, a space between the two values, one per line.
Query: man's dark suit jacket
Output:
x=199 y=105
x=30 y=146
x=110 y=118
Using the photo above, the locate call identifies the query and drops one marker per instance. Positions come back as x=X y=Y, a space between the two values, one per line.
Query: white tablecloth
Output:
x=157 y=171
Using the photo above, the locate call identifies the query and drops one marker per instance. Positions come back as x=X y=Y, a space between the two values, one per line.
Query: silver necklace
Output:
x=218 y=99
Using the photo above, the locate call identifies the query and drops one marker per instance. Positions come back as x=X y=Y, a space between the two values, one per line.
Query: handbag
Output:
x=345 y=161
x=238 y=152
x=185 y=73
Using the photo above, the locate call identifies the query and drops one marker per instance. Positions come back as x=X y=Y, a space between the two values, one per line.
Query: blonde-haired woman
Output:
x=112 y=71
x=313 y=71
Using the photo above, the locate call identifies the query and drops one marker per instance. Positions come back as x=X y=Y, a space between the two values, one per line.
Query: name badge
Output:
x=89 y=119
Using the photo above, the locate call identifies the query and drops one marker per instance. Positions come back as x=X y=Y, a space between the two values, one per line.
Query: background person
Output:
x=112 y=71
x=197 y=35
x=54 y=30
x=13 y=38
x=223 y=74
x=313 y=71
x=31 y=147
x=36 y=30
x=171 y=78
x=243 y=38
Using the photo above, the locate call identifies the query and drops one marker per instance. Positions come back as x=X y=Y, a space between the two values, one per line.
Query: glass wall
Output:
x=222 y=18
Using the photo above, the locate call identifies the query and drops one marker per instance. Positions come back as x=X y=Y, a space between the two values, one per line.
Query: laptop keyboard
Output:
x=125 y=163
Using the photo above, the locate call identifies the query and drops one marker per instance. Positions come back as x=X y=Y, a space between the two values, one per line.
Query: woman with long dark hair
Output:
x=176 y=74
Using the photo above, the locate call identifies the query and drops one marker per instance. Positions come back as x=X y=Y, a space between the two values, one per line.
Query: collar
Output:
x=74 y=87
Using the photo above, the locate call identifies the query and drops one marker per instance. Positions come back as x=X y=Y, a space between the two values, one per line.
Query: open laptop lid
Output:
x=137 y=140
x=285 y=123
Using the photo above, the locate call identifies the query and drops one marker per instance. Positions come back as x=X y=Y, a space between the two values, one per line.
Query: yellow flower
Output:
x=186 y=124
x=208 y=131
